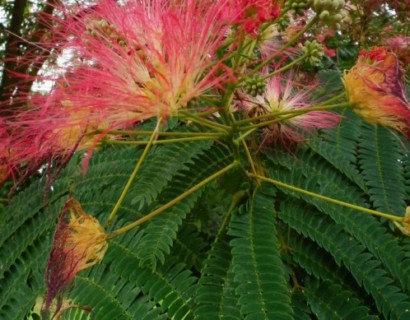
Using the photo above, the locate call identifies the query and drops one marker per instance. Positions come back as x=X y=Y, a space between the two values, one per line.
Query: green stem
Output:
x=332 y=99
x=286 y=67
x=290 y=114
x=160 y=134
x=171 y=203
x=132 y=176
x=236 y=198
x=331 y=200
x=205 y=122
x=300 y=33
x=297 y=111
x=287 y=45
x=176 y=140
x=244 y=135
x=251 y=162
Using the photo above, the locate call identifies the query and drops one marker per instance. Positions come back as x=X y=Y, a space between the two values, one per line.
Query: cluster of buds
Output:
x=329 y=11
x=313 y=51
x=255 y=85
x=79 y=243
x=296 y=7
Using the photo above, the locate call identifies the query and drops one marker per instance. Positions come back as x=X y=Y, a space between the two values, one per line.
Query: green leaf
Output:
x=380 y=157
x=365 y=268
x=313 y=174
x=328 y=301
x=161 y=232
x=257 y=266
x=215 y=297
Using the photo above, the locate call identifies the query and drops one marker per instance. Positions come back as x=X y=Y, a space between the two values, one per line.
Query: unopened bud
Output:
x=255 y=86
x=79 y=243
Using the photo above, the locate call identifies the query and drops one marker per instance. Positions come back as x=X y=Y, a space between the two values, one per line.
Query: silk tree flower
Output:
x=52 y=135
x=79 y=243
x=280 y=97
x=127 y=62
x=143 y=59
x=374 y=87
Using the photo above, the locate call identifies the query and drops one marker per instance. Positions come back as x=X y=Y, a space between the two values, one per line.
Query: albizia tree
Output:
x=203 y=160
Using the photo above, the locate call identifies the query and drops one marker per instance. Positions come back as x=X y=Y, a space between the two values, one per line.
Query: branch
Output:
x=15 y=38
x=11 y=52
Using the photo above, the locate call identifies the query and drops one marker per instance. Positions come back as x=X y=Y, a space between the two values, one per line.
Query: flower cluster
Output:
x=128 y=63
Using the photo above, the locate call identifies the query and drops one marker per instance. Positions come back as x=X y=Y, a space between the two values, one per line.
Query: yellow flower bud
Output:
x=79 y=243
x=374 y=88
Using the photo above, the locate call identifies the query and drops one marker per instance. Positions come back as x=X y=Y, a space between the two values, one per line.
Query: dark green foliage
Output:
x=384 y=179
x=161 y=232
x=328 y=301
x=364 y=267
x=215 y=296
x=258 y=269
x=274 y=255
x=327 y=181
x=339 y=147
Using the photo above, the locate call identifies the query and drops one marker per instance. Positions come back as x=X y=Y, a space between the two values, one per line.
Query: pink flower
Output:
x=281 y=100
x=146 y=59
x=126 y=63
x=320 y=38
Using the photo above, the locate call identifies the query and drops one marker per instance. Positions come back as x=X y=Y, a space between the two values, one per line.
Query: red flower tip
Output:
x=375 y=54
x=255 y=12
x=329 y=52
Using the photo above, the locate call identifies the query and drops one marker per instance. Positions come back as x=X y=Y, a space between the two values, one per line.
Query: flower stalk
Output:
x=152 y=214
x=289 y=114
x=288 y=44
x=286 y=67
x=160 y=134
x=133 y=174
x=207 y=123
x=292 y=112
x=328 y=199
x=176 y=140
